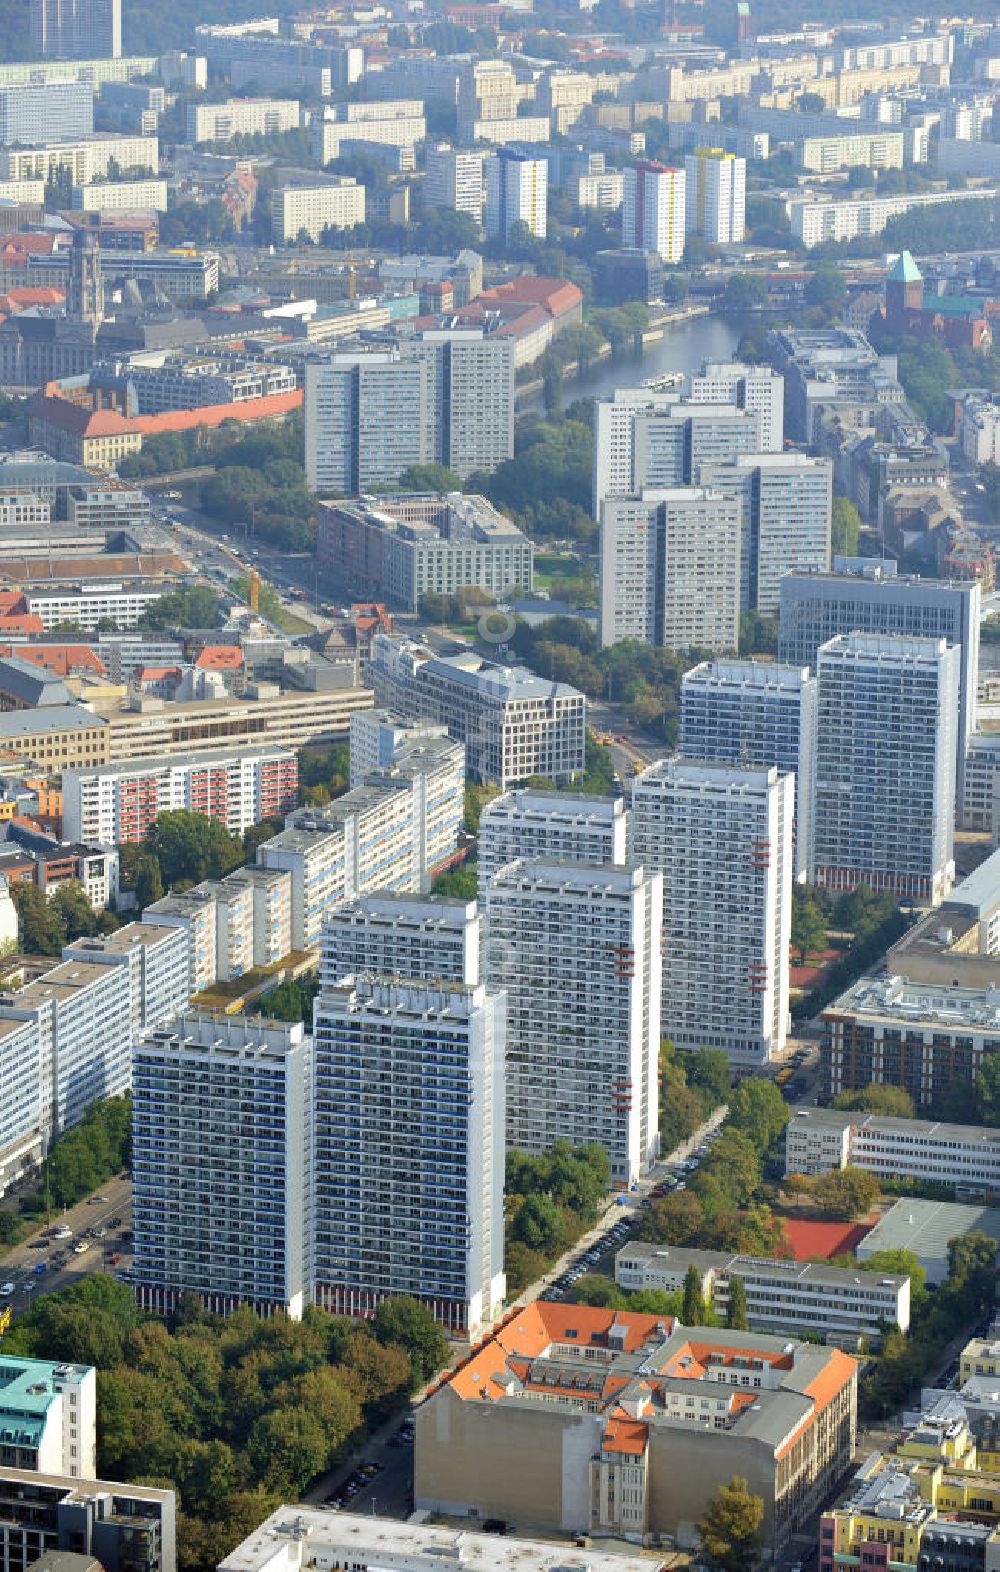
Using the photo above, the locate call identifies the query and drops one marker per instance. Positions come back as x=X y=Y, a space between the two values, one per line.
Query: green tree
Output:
x=893 y=1101
x=845 y=528
x=757 y=1108
x=192 y=847
x=430 y=477
x=41 y=932
x=808 y=925
x=708 y=1069
x=539 y=1224
x=411 y=1326
x=676 y=1219
x=73 y=911
x=192 y=606
x=288 y=1447
x=826 y=288
x=732 y=1527
x=744 y=292
x=972 y=1271
x=847 y=1192
x=693 y=1302
x=736 y=1309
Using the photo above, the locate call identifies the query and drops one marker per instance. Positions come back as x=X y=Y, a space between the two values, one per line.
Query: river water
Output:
x=683 y=347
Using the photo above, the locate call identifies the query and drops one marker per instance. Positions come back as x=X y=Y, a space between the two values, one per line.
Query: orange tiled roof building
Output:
x=576 y=1419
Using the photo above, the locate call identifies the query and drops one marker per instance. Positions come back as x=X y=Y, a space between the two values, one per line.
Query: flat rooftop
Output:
x=922 y=1129
x=895 y=1000
x=925 y=1227
x=296 y=1536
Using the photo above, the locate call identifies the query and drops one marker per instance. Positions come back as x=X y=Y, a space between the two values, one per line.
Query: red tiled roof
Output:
x=220 y=657
x=625 y=1435
x=19 y=298
x=215 y=414
x=554 y=295
x=60 y=659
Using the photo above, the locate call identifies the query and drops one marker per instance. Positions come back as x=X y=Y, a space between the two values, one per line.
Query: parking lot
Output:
x=598 y=1255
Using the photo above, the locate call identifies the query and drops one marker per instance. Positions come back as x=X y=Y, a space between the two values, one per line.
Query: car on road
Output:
x=6 y=1290
x=114 y=1222
x=40 y=1267
x=81 y=1247
x=62 y=1232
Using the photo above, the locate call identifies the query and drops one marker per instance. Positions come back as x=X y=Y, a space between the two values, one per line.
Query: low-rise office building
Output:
x=965 y=1156
x=300 y=1537
x=842 y=1304
x=921 y=1036
x=126 y=1528
x=572 y=1419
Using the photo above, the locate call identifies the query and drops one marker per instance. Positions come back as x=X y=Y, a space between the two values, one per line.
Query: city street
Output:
x=62 y=1266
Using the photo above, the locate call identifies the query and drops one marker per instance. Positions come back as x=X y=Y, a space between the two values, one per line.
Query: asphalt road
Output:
x=20 y=1265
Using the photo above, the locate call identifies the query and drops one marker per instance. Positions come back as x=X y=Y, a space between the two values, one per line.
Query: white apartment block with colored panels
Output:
x=886 y=745
x=273 y=932
x=409 y=1149
x=221 y=1202
x=154 y=960
x=721 y=835
x=757 y=388
x=242 y=117
x=82 y=1015
x=716 y=195
x=577 y=948
x=427 y=938
x=194 y=911
x=87 y=159
x=315 y=861
x=755 y=712
x=554 y=825
x=337 y=204
x=118 y=803
x=654 y=208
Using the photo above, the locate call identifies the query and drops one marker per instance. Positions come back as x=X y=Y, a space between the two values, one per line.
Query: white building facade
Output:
x=755 y=712
x=221 y=1164
x=577 y=949
x=409 y=1148
x=721 y=836
x=886 y=741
